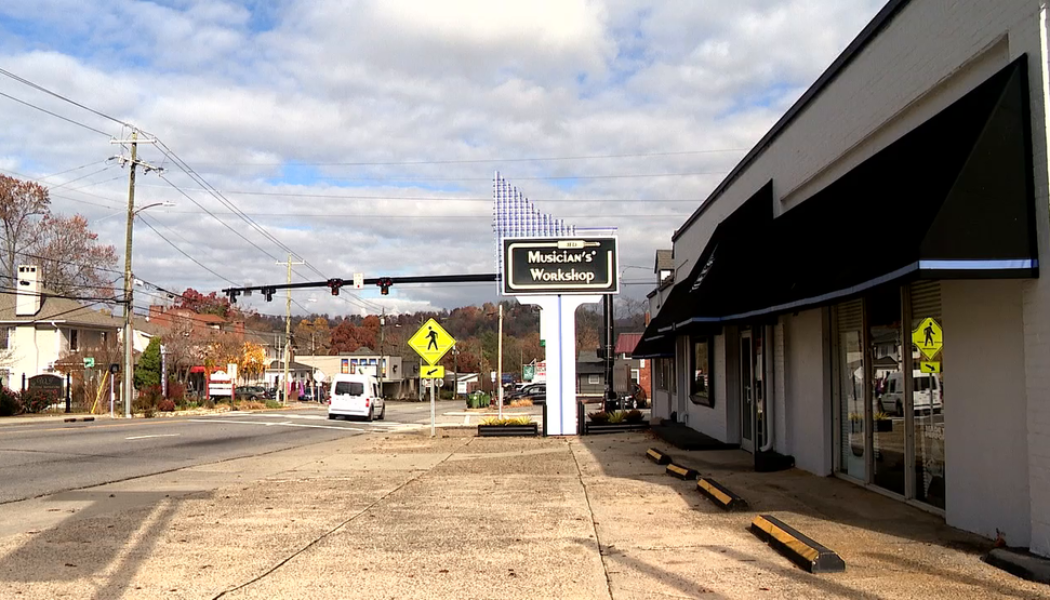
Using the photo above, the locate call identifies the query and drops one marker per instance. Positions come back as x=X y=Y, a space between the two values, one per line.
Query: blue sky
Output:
x=621 y=112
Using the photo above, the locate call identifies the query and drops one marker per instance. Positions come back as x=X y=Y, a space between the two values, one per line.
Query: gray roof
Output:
x=664 y=260
x=64 y=310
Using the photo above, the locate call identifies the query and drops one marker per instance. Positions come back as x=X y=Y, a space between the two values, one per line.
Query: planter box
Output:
x=592 y=428
x=507 y=430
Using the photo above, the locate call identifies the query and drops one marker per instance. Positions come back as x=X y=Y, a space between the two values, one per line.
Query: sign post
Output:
x=431 y=342
x=559 y=275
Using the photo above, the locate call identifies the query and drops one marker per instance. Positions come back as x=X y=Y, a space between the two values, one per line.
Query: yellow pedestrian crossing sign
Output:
x=432 y=372
x=928 y=338
x=431 y=342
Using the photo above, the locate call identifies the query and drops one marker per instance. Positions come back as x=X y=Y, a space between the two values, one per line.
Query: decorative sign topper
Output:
x=560 y=266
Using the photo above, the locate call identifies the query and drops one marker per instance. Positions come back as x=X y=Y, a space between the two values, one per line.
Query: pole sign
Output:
x=556 y=266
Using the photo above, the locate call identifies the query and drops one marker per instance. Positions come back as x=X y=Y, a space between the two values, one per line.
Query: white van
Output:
x=356 y=396
x=925 y=396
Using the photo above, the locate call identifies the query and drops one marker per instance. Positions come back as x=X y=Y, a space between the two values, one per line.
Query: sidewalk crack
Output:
x=594 y=524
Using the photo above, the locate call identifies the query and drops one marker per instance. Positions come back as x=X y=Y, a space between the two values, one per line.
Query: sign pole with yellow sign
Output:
x=431 y=342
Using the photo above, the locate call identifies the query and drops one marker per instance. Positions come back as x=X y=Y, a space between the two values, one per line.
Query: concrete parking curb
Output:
x=681 y=472
x=78 y=419
x=658 y=457
x=798 y=548
x=720 y=495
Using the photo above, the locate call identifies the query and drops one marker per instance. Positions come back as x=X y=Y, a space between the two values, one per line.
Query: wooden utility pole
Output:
x=288 y=330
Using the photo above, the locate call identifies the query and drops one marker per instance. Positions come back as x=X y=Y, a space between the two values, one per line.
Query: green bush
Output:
x=10 y=403
x=618 y=416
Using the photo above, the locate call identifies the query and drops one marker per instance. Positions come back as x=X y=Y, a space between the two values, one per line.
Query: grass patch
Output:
x=507 y=421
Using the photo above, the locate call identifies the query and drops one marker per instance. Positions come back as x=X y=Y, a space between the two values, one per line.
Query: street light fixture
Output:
x=129 y=350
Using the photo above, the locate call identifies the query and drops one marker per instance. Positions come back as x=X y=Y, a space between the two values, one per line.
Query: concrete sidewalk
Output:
x=405 y=516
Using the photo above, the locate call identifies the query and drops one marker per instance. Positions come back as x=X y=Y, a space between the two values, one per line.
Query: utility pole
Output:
x=499 y=362
x=382 y=355
x=288 y=330
x=129 y=350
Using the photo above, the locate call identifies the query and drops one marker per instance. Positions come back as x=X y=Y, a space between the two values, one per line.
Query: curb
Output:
x=1020 y=563
x=798 y=548
x=658 y=457
x=681 y=472
x=720 y=495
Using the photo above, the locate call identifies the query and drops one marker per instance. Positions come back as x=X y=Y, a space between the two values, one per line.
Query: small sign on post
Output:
x=359 y=281
x=431 y=342
x=89 y=362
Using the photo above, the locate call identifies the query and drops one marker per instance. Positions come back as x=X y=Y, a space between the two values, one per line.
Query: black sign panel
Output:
x=560 y=266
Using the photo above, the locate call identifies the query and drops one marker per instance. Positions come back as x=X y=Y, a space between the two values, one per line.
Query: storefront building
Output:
x=861 y=296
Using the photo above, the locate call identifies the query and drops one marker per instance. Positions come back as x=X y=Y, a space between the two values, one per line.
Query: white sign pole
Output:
x=433 y=410
x=559 y=331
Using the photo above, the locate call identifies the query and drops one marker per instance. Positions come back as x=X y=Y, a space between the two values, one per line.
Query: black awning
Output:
x=953 y=198
x=699 y=301
x=654 y=345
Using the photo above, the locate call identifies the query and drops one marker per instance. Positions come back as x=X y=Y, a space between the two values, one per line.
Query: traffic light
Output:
x=384 y=284
x=335 y=284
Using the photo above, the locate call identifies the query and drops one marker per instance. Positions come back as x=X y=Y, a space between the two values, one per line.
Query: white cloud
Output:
x=251 y=94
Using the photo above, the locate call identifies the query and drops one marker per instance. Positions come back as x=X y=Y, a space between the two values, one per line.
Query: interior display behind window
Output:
x=701 y=358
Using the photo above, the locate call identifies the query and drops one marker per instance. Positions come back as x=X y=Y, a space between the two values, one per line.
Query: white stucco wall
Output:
x=807 y=417
x=984 y=409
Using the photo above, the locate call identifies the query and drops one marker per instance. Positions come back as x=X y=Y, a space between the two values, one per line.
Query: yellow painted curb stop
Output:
x=658 y=457
x=720 y=495
x=681 y=472
x=799 y=549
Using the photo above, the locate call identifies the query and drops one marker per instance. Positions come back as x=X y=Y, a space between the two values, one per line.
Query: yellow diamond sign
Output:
x=928 y=338
x=431 y=342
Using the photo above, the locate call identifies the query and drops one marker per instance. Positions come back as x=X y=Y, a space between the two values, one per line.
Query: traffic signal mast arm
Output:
x=334 y=285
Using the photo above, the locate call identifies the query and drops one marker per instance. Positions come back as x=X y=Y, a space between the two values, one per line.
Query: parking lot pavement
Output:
x=407 y=516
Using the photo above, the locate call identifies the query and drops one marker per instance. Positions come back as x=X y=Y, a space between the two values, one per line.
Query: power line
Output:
x=436 y=198
x=499 y=160
x=182 y=252
x=56 y=115
x=64 y=99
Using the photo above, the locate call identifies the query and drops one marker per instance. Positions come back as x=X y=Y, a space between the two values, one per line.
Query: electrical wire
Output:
x=56 y=115
x=181 y=251
x=38 y=87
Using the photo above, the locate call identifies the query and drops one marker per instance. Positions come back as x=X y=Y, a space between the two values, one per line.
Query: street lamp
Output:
x=129 y=351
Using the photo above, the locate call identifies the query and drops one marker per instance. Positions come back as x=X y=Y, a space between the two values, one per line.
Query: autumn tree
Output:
x=182 y=346
x=252 y=361
x=313 y=336
x=211 y=304
x=22 y=205
x=62 y=238
x=344 y=337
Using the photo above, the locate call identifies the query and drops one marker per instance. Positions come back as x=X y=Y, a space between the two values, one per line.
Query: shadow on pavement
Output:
x=98 y=543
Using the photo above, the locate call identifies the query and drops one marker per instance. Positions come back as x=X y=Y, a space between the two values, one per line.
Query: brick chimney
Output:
x=28 y=299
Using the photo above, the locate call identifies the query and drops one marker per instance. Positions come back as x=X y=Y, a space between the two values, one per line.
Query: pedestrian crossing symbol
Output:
x=431 y=342
x=927 y=337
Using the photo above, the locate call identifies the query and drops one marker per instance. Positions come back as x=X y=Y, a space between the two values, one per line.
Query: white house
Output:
x=37 y=329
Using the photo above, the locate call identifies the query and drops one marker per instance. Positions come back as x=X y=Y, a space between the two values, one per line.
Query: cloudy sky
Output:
x=363 y=135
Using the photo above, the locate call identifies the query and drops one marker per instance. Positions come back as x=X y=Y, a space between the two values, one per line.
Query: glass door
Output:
x=747 y=393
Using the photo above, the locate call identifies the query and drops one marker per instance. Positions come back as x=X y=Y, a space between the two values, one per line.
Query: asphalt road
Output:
x=46 y=458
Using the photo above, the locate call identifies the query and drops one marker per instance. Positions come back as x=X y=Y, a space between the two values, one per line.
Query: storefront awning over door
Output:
x=953 y=198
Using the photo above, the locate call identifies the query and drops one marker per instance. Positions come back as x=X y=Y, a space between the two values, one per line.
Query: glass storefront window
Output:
x=848 y=387
x=887 y=387
x=701 y=359
x=928 y=399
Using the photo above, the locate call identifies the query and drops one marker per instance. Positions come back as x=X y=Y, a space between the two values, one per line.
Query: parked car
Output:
x=356 y=395
x=926 y=394
x=522 y=391
x=308 y=395
x=251 y=392
x=537 y=393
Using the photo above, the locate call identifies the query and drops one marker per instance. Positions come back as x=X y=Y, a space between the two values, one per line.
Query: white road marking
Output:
x=146 y=437
x=466 y=419
x=279 y=424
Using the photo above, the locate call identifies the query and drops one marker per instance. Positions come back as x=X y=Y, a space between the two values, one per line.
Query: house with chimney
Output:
x=38 y=329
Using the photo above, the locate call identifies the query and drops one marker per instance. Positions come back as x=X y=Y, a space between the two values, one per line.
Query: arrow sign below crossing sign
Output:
x=433 y=372
x=431 y=342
